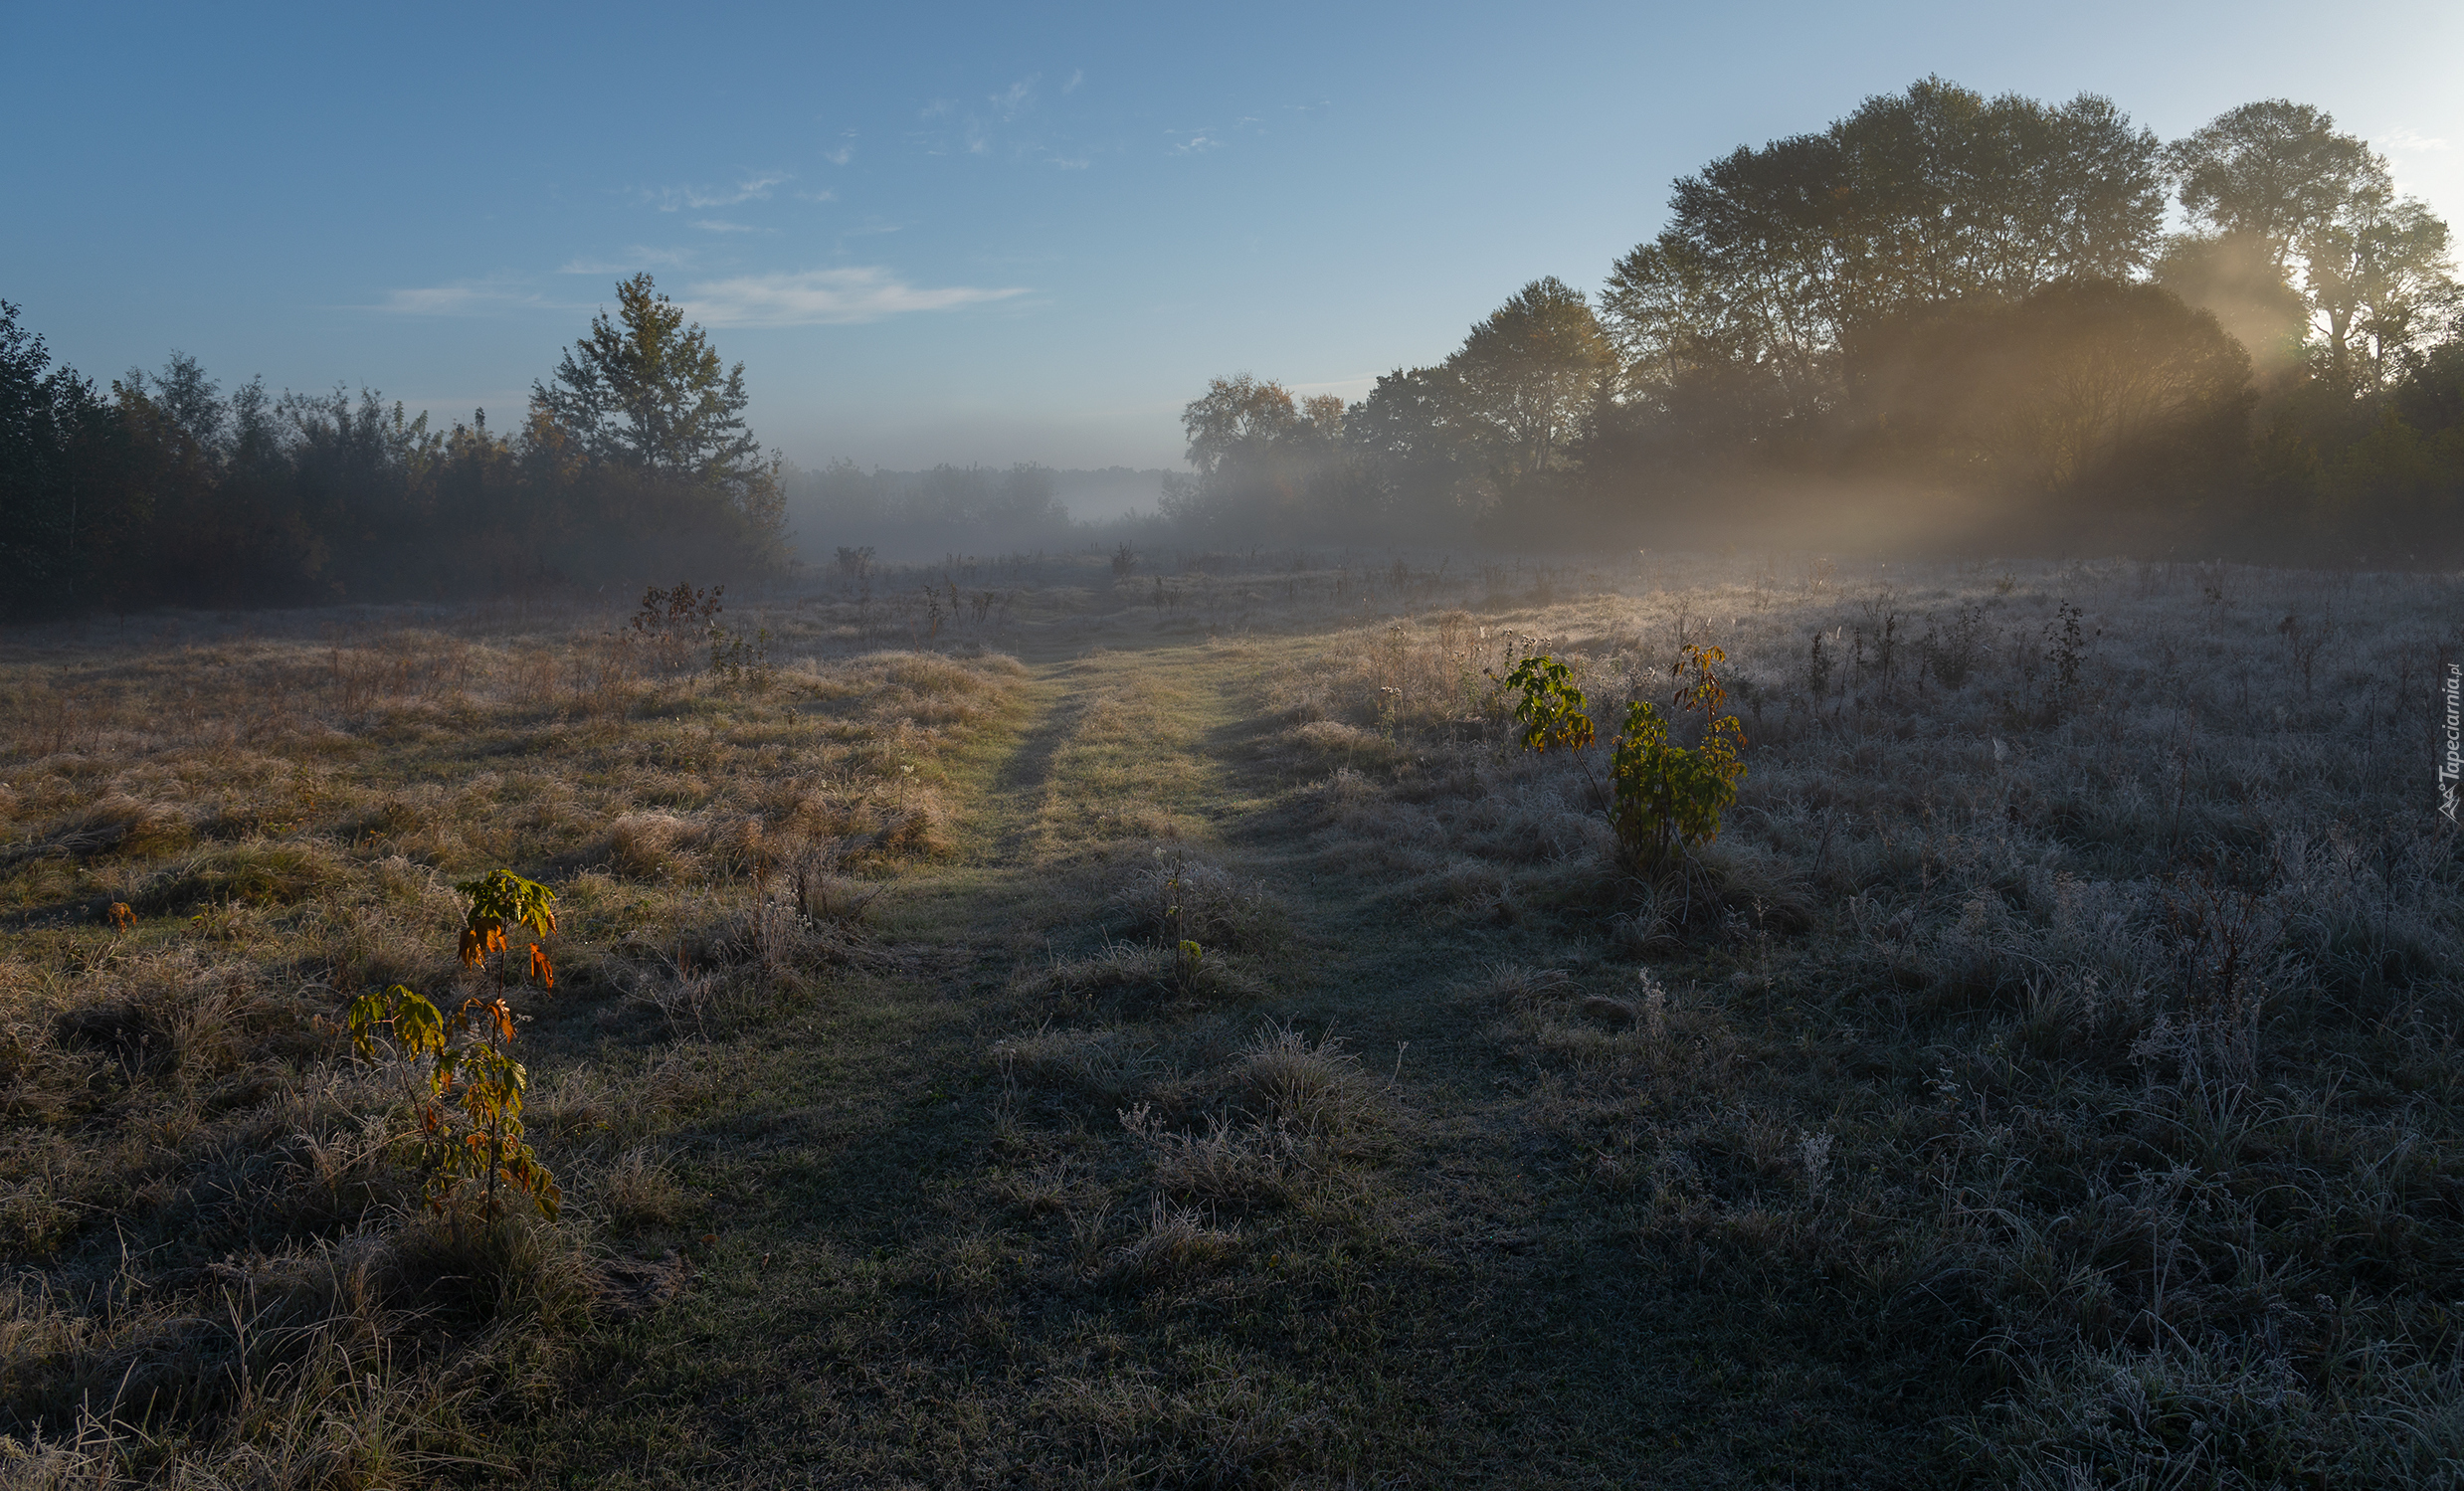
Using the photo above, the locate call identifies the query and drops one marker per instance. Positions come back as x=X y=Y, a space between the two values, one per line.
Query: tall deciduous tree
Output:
x=1524 y=382
x=1238 y=420
x=1774 y=257
x=2373 y=267
x=2275 y=169
x=2381 y=283
x=190 y=400
x=1268 y=464
x=1253 y=453
x=1407 y=448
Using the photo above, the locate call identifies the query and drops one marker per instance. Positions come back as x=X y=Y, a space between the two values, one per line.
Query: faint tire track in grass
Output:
x=1129 y=766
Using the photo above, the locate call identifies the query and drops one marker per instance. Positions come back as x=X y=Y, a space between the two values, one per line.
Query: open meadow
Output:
x=1128 y=1020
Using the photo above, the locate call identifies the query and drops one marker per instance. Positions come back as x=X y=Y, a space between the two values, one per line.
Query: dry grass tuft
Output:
x=821 y=892
x=1317 y=1088
x=113 y=823
x=1175 y=1243
x=1110 y=1066
x=1515 y=986
x=295 y=1368
x=1175 y=896
x=1129 y=977
x=654 y=847
x=259 y=873
x=1233 y=1161
x=641 y=1192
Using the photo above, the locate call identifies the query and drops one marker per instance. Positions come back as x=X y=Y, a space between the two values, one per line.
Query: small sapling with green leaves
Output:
x=1667 y=798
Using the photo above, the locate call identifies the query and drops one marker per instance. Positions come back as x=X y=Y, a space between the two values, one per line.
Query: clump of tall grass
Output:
x=1175 y=1242
x=1279 y=1118
x=312 y=1366
x=1317 y=1087
x=1174 y=897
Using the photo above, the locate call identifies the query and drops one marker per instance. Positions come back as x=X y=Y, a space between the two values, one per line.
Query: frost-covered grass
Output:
x=1207 y=1052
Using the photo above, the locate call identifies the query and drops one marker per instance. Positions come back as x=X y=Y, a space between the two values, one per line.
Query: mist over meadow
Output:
x=1945 y=324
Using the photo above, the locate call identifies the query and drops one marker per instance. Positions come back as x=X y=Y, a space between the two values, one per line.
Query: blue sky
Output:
x=987 y=233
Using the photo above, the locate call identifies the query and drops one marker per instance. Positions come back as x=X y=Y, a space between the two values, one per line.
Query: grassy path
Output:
x=900 y=1276
x=836 y=1153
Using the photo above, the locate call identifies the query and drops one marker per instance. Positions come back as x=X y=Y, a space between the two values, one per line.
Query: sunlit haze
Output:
x=998 y=234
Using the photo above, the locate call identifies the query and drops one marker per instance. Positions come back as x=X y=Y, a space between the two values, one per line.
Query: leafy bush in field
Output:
x=1667 y=798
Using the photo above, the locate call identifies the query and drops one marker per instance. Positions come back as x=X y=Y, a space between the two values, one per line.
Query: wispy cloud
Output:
x=469 y=298
x=722 y=225
x=753 y=188
x=1076 y=77
x=839 y=157
x=825 y=297
x=634 y=258
x=1015 y=97
x=1222 y=137
x=1004 y=125
x=2411 y=141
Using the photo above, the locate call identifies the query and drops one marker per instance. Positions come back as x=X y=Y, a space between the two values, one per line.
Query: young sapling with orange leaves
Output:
x=465 y=1088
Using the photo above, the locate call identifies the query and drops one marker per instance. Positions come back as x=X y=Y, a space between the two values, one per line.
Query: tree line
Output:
x=633 y=460
x=1946 y=320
